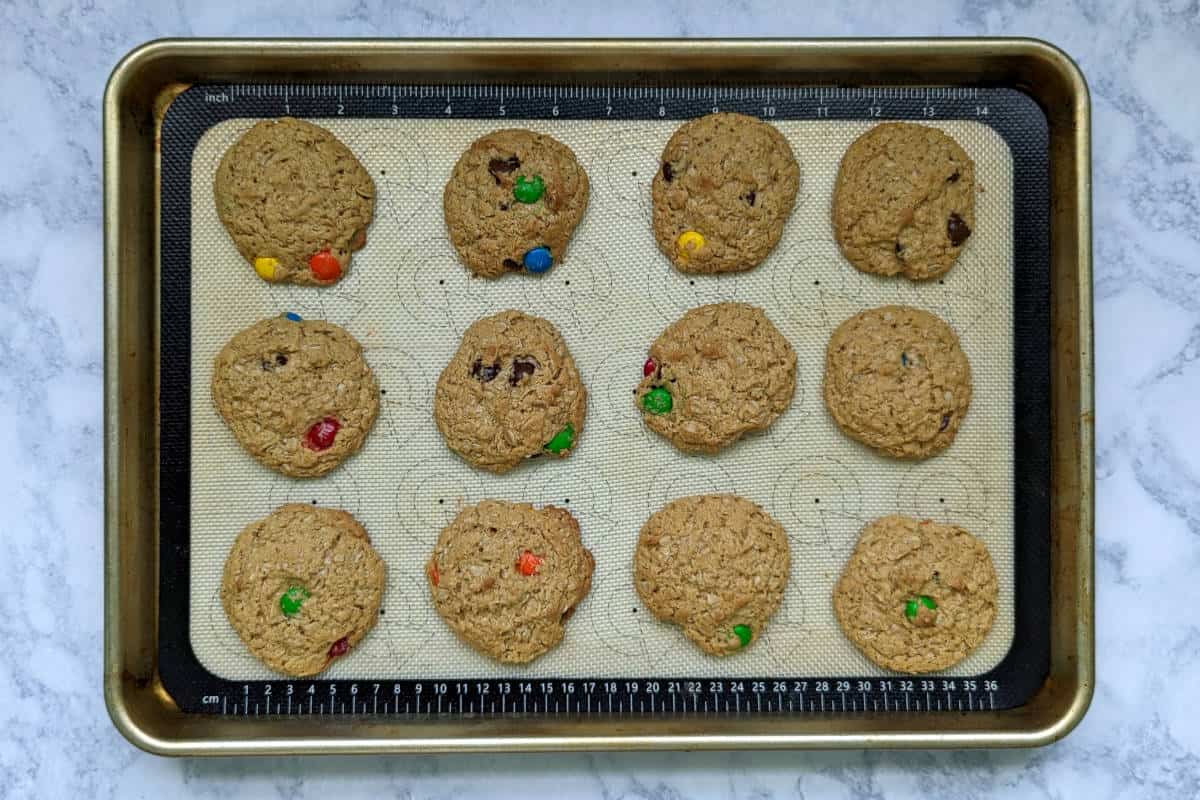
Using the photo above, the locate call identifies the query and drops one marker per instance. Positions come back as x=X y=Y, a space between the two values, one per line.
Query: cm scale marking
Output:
x=662 y=697
x=1014 y=115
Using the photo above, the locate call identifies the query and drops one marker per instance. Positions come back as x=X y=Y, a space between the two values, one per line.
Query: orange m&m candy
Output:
x=324 y=266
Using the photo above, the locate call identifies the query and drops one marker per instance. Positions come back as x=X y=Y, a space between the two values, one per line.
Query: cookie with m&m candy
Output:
x=513 y=201
x=916 y=595
x=511 y=392
x=302 y=587
x=295 y=201
x=297 y=394
x=716 y=565
x=723 y=193
x=506 y=577
x=718 y=372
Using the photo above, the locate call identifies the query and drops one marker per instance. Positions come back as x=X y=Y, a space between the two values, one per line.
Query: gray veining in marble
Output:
x=1142 y=735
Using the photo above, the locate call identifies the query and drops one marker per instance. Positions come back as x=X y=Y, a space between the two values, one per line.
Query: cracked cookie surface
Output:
x=718 y=372
x=511 y=193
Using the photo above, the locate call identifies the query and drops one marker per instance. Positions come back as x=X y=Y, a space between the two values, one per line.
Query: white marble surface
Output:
x=1142 y=735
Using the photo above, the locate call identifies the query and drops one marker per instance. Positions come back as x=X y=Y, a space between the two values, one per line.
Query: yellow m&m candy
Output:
x=265 y=267
x=689 y=243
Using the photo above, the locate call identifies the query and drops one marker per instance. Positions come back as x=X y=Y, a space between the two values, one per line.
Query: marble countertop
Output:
x=1141 y=737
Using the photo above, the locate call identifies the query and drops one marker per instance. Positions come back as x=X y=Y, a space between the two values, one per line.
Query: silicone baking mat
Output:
x=408 y=300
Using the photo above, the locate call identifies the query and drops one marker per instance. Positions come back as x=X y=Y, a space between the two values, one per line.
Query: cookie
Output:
x=897 y=380
x=724 y=190
x=904 y=201
x=297 y=394
x=302 y=587
x=512 y=202
x=717 y=372
x=295 y=200
x=716 y=565
x=916 y=596
x=510 y=392
x=506 y=577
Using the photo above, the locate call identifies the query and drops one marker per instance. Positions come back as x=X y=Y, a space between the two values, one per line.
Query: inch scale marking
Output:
x=196 y=690
x=486 y=101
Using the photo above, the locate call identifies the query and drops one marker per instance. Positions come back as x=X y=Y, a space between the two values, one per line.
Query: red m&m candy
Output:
x=649 y=367
x=528 y=563
x=324 y=266
x=320 y=436
x=339 y=648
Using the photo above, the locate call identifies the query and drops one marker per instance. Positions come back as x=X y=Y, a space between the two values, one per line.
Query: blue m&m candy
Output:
x=294 y=317
x=538 y=259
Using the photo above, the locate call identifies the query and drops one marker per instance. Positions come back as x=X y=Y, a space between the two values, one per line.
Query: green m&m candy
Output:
x=529 y=190
x=291 y=600
x=912 y=606
x=657 y=401
x=562 y=440
x=743 y=633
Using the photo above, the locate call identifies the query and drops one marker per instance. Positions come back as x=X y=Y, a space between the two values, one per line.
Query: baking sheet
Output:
x=408 y=300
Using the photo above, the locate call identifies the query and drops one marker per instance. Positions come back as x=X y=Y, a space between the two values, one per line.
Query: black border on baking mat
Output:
x=1014 y=115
